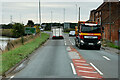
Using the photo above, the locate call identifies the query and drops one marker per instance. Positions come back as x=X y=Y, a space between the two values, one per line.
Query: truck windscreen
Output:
x=90 y=29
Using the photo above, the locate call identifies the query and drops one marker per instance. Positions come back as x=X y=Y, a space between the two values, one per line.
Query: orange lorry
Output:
x=88 y=34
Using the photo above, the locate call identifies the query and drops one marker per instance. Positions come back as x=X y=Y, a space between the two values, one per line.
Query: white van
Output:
x=57 y=32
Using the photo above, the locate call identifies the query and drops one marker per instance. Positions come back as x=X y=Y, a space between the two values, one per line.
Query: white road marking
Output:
x=86 y=71
x=11 y=77
x=82 y=64
x=80 y=61
x=73 y=44
x=73 y=68
x=87 y=77
x=96 y=69
x=84 y=67
x=106 y=58
x=65 y=43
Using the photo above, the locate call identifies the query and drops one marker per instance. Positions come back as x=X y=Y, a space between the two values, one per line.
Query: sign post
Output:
x=30 y=30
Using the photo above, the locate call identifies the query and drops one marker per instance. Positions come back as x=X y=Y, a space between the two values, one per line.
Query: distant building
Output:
x=108 y=15
x=68 y=25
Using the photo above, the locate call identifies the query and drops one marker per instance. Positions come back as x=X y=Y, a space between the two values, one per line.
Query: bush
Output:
x=18 y=30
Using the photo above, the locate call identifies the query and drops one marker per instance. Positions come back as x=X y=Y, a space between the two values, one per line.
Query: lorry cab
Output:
x=89 y=35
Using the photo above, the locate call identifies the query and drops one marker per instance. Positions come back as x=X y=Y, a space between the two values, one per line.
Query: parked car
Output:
x=72 y=33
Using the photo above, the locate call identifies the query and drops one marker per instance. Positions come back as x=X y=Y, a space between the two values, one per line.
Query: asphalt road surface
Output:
x=53 y=60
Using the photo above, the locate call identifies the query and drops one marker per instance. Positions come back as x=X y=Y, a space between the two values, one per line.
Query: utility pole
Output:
x=76 y=13
x=39 y=13
x=79 y=13
x=20 y=18
x=51 y=18
x=110 y=19
x=79 y=20
x=64 y=16
x=11 y=19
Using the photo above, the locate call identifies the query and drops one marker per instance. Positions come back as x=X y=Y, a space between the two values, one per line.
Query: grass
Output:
x=113 y=46
x=11 y=58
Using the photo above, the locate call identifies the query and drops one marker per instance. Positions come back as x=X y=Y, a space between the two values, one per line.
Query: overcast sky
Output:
x=24 y=10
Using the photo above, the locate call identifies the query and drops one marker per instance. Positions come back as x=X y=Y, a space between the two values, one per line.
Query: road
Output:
x=54 y=60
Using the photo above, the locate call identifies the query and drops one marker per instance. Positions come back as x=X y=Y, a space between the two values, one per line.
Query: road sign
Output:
x=30 y=30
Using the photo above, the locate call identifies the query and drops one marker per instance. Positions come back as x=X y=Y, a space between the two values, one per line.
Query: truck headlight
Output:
x=81 y=41
x=99 y=42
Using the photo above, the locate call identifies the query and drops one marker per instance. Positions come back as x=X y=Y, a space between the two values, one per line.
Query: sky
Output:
x=24 y=10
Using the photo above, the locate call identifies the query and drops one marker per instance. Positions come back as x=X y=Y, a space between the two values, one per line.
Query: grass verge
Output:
x=112 y=45
x=11 y=58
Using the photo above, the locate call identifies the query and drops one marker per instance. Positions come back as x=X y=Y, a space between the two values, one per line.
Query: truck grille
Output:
x=91 y=40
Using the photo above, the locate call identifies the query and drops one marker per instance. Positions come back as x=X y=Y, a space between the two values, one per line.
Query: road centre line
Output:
x=106 y=58
x=73 y=68
x=65 y=43
x=96 y=69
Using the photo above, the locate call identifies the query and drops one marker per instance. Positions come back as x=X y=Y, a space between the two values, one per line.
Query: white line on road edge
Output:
x=73 y=68
x=96 y=69
x=106 y=58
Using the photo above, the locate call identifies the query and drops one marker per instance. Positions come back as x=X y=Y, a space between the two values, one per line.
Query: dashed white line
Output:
x=11 y=77
x=96 y=69
x=73 y=68
x=65 y=43
x=106 y=58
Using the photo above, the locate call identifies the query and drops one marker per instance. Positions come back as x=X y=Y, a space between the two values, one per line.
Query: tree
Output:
x=30 y=23
x=18 y=30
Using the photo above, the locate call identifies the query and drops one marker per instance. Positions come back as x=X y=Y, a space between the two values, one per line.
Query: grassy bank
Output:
x=10 y=58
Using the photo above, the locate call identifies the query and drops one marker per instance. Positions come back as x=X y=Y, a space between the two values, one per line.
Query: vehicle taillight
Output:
x=99 y=37
x=81 y=37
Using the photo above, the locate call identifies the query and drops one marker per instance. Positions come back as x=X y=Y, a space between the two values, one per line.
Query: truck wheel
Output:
x=79 y=46
x=76 y=44
x=98 y=48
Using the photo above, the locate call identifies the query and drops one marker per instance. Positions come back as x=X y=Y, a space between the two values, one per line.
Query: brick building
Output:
x=108 y=16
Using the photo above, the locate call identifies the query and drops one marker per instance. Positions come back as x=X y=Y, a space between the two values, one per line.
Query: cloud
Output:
x=29 y=10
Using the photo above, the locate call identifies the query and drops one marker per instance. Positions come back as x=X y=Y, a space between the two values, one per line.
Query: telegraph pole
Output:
x=51 y=18
x=39 y=13
x=64 y=15
x=76 y=13
x=79 y=13
x=11 y=19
